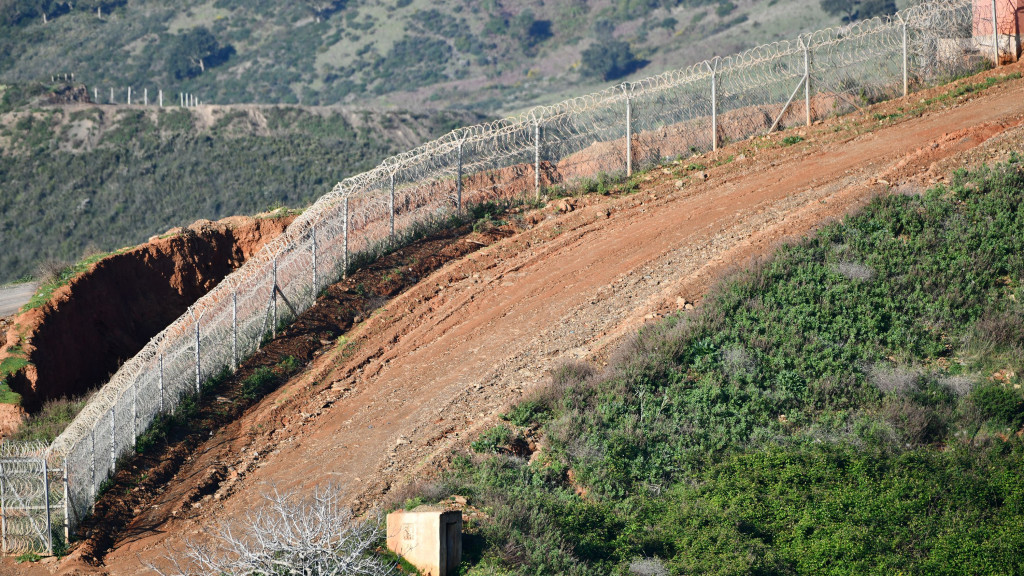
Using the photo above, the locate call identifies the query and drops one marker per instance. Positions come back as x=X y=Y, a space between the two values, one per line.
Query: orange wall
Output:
x=1010 y=14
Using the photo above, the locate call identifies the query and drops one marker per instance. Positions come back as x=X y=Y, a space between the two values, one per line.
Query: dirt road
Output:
x=430 y=370
x=12 y=298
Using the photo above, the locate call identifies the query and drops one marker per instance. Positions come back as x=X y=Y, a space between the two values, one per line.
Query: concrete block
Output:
x=429 y=538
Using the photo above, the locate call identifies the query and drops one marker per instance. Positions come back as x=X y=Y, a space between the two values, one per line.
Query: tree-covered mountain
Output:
x=493 y=55
x=82 y=176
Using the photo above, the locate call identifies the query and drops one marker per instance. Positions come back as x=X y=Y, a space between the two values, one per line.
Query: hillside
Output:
x=492 y=55
x=427 y=373
x=82 y=177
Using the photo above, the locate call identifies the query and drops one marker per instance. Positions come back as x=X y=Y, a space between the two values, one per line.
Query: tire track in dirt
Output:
x=431 y=369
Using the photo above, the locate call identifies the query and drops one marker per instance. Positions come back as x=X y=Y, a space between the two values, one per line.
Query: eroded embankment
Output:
x=106 y=315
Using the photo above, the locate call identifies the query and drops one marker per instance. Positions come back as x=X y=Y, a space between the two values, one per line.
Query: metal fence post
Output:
x=273 y=302
x=391 y=205
x=344 y=232
x=807 y=78
x=234 y=330
x=199 y=388
x=3 y=509
x=129 y=95
x=161 y=382
x=995 y=35
x=111 y=95
x=714 y=105
x=160 y=96
x=313 y=234
x=629 y=131
x=67 y=502
x=145 y=96
x=458 y=179
x=113 y=435
x=135 y=413
x=906 y=84
x=92 y=464
x=536 y=157
x=46 y=505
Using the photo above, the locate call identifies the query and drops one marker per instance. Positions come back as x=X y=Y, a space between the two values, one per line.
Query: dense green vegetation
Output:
x=100 y=178
x=362 y=51
x=852 y=10
x=850 y=406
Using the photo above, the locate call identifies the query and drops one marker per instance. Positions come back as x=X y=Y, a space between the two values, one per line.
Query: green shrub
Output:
x=259 y=383
x=525 y=413
x=491 y=441
x=1004 y=407
x=818 y=414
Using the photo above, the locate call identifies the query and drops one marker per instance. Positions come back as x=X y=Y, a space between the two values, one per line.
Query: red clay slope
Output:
x=433 y=367
x=104 y=316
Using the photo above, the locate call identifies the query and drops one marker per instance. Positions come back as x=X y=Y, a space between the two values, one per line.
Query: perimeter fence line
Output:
x=630 y=125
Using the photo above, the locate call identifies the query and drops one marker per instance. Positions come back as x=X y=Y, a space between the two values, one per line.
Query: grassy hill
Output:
x=494 y=55
x=852 y=406
x=85 y=177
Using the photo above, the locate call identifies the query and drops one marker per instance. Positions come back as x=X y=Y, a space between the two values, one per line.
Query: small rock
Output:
x=701 y=175
x=679 y=183
x=688 y=306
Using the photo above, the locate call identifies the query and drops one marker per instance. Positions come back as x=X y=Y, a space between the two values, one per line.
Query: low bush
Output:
x=847 y=407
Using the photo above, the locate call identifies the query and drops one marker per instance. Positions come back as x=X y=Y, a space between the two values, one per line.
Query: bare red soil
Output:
x=421 y=376
x=104 y=316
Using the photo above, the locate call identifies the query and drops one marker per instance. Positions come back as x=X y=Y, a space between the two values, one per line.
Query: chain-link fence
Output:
x=620 y=129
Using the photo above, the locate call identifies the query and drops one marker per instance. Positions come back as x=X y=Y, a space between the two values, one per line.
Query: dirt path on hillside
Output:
x=12 y=298
x=433 y=368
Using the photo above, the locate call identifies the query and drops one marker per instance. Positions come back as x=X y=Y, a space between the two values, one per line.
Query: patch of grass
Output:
x=791 y=140
x=491 y=441
x=257 y=384
x=28 y=557
x=525 y=413
x=833 y=410
x=265 y=378
x=963 y=90
x=50 y=421
x=61 y=277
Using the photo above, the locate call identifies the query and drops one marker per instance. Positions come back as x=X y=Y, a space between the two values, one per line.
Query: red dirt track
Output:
x=432 y=368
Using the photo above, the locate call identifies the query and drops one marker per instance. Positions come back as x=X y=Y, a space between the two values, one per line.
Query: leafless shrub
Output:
x=566 y=375
x=90 y=250
x=855 y=271
x=898 y=380
x=289 y=535
x=50 y=270
x=959 y=385
x=429 y=490
x=1003 y=329
x=736 y=361
x=648 y=567
x=918 y=424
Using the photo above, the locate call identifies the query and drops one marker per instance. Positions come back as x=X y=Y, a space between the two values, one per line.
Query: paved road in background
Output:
x=12 y=298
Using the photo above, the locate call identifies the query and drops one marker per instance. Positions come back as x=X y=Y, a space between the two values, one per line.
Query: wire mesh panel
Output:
x=32 y=500
x=623 y=127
